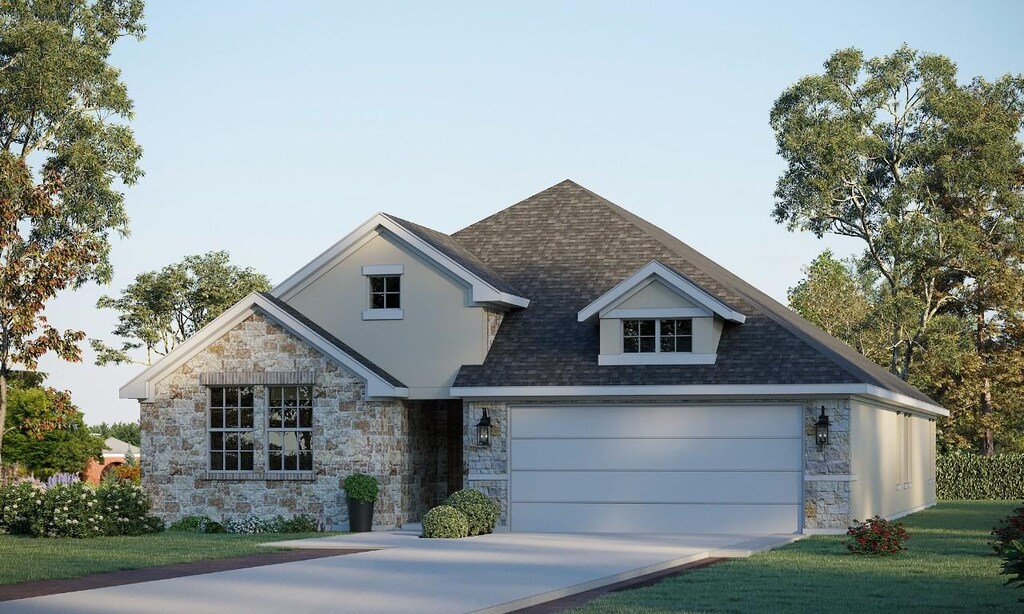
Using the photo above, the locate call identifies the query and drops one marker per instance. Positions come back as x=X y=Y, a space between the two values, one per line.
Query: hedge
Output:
x=968 y=476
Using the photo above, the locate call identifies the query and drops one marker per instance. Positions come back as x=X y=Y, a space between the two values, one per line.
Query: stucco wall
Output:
x=876 y=461
x=655 y=296
x=437 y=335
x=398 y=442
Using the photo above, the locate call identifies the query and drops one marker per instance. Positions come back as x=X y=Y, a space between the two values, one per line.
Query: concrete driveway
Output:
x=493 y=573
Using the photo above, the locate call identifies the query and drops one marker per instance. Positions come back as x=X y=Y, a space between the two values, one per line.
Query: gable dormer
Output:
x=658 y=317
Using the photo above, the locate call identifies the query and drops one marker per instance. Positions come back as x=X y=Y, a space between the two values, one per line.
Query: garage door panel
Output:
x=662 y=487
x=652 y=518
x=658 y=421
x=655 y=454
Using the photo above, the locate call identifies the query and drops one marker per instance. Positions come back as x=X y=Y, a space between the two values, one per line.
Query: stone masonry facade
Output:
x=401 y=443
x=826 y=470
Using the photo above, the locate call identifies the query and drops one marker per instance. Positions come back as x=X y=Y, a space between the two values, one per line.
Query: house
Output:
x=631 y=384
x=115 y=453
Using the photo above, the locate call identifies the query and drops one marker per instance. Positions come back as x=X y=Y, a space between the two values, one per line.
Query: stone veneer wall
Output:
x=392 y=440
x=826 y=470
x=494 y=320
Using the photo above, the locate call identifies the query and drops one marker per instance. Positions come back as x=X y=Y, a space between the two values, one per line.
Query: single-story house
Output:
x=582 y=366
x=115 y=453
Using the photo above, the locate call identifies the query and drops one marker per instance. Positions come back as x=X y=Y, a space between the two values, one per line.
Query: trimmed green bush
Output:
x=361 y=487
x=297 y=524
x=446 y=522
x=969 y=476
x=481 y=511
x=1013 y=565
x=191 y=524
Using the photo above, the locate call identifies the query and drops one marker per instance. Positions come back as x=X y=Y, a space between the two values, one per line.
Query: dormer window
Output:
x=657 y=336
x=384 y=296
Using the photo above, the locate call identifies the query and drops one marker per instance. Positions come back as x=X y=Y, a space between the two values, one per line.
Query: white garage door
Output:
x=656 y=469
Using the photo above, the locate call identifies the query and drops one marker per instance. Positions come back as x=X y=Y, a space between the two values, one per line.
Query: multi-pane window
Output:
x=290 y=428
x=231 y=428
x=385 y=291
x=651 y=336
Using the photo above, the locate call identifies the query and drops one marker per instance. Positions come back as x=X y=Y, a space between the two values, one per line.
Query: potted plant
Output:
x=361 y=491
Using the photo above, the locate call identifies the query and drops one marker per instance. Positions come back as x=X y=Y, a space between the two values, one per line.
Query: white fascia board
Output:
x=700 y=390
x=482 y=292
x=656 y=358
x=140 y=386
x=678 y=283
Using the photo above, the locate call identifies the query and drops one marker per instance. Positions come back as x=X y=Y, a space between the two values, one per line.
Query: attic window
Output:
x=384 y=300
x=657 y=336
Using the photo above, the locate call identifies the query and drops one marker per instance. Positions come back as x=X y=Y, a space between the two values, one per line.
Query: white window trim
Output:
x=383 y=269
x=656 y=358
x=383 y=314
x=657 y=338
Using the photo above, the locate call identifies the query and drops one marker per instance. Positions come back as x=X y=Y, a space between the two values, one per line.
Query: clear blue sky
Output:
x=271 y=129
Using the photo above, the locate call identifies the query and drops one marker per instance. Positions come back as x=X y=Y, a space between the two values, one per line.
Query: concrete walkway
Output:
x=493 y=573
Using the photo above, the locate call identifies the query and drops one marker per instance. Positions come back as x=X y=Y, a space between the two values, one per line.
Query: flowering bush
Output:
x=1010 y=528
x=877 y=536
x=69 y=508
x=63 y=479
x=250 y=524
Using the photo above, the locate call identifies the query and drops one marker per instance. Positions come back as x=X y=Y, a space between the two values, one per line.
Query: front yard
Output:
x=27 y=558
x=949 y=567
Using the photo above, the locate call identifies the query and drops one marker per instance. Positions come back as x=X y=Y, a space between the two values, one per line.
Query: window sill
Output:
x=258 y=476
x=673 y=358
x=383 y=314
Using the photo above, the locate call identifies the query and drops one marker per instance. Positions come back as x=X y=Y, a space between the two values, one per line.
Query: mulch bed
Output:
x=579 y=599
x=38 y=588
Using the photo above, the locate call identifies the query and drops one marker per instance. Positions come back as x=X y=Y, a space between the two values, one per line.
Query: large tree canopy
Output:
x=161 y=309
x=927 y=172
x=64 y=154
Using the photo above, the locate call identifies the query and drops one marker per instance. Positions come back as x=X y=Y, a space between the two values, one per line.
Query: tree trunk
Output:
x=987 y=443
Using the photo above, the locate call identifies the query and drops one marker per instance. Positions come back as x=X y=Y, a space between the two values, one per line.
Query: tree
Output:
x=46 y=432
x=833 y=298
x=161 y=309
x=125 y=431
x=63 y=150
x=928 y=173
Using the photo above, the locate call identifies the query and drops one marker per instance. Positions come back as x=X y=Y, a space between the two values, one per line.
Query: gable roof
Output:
x=112 y=446
x=674 y=280
x=486 y=285
x=567 y=246
x=379 y=383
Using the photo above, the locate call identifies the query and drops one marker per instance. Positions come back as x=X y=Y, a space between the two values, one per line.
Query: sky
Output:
x=272 y=129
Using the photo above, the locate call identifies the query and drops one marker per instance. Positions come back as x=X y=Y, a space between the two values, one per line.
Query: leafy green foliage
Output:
x=127 y=432
x=300 y=523
x=877 y=535
x=445 y=521
x=47 y=434
x=195 y=524
x=1013 y=564
x=65 y=151
x=249 y=525
x=1010 y=529
x=75 y=509
x=126 y=508
x=161 y=309
x=969 y=476
x=926 y=173
x=361 y=487
x=481 y=511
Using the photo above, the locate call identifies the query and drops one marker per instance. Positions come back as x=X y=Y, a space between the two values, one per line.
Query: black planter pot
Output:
x=360 y=517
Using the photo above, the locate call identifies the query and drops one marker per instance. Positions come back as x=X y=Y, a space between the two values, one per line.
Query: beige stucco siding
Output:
x=884 y=482
x=439 y=331
x=655 y=296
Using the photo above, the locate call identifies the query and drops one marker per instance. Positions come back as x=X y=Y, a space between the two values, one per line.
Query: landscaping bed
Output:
x=949 y=566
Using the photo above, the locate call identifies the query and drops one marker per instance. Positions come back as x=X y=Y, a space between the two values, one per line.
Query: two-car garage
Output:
x=656 y=468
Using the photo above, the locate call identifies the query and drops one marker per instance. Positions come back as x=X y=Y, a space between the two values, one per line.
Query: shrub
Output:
x=128 y=473
x=446 y=522
x=214 y=527
x=362 y=488
x=297 y=524
x=1013 y=564
x=1010 y=529
x=20 y=504
x=250 y=525
x=480 y=510
x=126 y=509
x=70 y=510
x=62 y=479
x=877 y=536
x=969 y=476
x=193 y=524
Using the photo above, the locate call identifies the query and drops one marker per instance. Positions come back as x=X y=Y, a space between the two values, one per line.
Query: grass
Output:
x=29 y=558
x=949 y=567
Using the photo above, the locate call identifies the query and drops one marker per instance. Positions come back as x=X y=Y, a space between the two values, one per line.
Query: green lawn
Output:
x=948 y=567
x=29 y=558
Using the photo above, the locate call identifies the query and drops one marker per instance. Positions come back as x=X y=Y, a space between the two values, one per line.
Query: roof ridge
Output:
x=846 y=358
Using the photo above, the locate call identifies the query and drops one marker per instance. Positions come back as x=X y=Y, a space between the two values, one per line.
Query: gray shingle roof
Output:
x=452 y=249
x=566 y=246
x=338 y=343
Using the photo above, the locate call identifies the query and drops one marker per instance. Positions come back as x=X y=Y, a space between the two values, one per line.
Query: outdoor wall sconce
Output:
x=483 y=430
x=821 y=429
